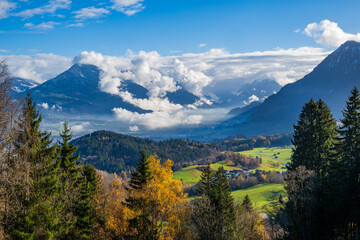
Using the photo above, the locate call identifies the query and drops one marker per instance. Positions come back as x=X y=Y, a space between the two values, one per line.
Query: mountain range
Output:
x=260 y=107
x=332 y=81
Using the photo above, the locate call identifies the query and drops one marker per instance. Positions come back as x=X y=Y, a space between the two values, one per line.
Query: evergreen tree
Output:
x=140 y=226
x=68 y=160
x=224 y=205
x=204 y=186
x=40 y=216
x=217 y=204
x=314 y=138
x=70 y=185
x=85 y=209
x=247 y=204
x=348 y=170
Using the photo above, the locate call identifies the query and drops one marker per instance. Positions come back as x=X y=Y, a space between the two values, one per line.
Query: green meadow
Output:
x=262 y=194
x=273 y=159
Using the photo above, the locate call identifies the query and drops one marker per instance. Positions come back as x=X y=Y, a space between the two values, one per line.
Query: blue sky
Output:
x=66 y=27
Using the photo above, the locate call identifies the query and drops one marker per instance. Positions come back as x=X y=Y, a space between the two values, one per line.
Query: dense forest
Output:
x=115 y=152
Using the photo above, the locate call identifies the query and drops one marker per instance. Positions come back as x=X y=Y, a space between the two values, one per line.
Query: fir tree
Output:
x=247 y=204
x=204 y=186
x=68 y=160
x=348 y=169
x=70 y=175
x=85 y=210
x=40 y=216
x=140 y=225
x=218 y=206
x=314 y=138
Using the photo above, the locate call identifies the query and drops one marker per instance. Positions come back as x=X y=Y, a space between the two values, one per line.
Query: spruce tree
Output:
x=85 y=210
x=70 y=181
x=348 y=169
x=224 y=205
x=218 y=205
x=40 y=216
x=314 y=138
x=247 y=204
x=139 y=225
x=204 y=186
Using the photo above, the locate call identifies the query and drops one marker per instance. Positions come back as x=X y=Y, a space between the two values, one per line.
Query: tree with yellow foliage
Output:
x=157 y=203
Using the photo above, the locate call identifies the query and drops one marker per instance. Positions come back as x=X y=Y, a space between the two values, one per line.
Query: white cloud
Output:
x=79 y=24
x=44 y=105
x=80 y=127
x=134 y=128
x=329 y=33
x=5 y=8
x=252 y=98
x=156 y=120
x=4 y=51
x=201 y=45
x=128 y=7
x=38 y=67
x=51 y=7
x=91 y=12
x=42 y=26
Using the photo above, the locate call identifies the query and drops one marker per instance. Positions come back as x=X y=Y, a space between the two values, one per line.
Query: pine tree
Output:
x=39 y=217
x=348 y=169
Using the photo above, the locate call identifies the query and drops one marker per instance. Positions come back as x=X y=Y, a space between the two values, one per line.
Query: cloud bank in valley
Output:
x=202 y=74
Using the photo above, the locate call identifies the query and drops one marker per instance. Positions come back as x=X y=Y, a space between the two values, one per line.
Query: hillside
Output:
x=115 y=152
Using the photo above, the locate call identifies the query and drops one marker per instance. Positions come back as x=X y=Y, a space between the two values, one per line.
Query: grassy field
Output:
x=272 y=158
x=261 y=194
x=191 y=175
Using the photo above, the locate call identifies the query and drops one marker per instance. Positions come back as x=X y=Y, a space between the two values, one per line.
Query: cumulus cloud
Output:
x=44 y=105
x=156 y=120
x=51 y=7
x=38 y=67
x=42 y=26
x=5 y=8
x=91 y=12
x=329 y=33
x=80 y=127
x=128 y=7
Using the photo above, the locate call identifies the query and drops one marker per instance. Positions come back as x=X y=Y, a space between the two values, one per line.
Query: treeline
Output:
x=323 y=183
x=240 y=143
x=239 y=160
x=115 y=152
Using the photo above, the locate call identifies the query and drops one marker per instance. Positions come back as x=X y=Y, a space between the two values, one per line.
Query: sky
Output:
x=68 y=27
x=203 y=46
